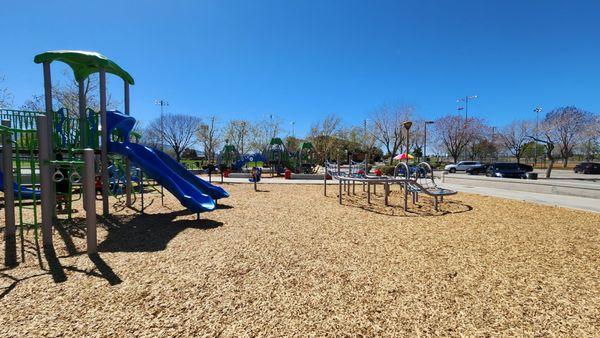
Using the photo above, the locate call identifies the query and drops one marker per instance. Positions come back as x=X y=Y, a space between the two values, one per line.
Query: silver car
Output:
x=461 y=166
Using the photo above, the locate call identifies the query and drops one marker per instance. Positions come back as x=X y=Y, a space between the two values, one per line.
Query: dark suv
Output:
x=587 y=168
x=506 y=170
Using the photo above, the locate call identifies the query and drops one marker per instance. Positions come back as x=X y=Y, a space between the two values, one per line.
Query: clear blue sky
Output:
x=301 y=60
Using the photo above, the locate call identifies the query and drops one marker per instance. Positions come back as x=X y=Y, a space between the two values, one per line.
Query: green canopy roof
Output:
x=84 y=63
x=306 y=145
x=276 y=141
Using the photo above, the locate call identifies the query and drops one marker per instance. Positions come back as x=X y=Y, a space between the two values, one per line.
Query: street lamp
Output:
x=466 y=100
x=425 y=141
x=537 y=111
x=162 y=104
x=293 y=129
x=407 y=126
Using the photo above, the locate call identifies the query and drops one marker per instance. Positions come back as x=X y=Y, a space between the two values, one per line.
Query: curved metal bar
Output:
x=407 y=175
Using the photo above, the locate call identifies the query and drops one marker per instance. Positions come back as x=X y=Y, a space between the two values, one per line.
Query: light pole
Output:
x=537 y=111
x=162 y=104
x=425 y=141
x=466 y=100
x=407 y=126
x=293 y=129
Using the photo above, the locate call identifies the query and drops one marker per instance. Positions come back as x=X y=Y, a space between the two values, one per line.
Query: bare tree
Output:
x=546 y=139
x=237 y=133
x=263 y=131
x=324 y=135
x=66 y=95
x=387 y=125
x=591 y=139
x=454 y=133
x=6 y=97
x=178 y=131
x=210 y=137
x=567 y=126
x=515 y=138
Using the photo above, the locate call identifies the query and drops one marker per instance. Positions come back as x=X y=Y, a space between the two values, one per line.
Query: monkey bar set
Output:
x=419 y=181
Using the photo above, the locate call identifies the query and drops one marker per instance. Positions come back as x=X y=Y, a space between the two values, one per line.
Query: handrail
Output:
x=407 y=175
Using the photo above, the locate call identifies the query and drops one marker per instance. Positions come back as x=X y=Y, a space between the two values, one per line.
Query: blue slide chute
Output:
x=194 y=193
x=26 y=193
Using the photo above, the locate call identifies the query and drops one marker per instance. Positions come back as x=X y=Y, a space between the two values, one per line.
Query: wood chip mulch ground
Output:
x=288 y=261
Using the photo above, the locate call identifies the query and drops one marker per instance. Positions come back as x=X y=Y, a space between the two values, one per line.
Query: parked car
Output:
x=461 y=166
x=477 y=170
x=526 y=167
x=587 y=168
x=506 y=170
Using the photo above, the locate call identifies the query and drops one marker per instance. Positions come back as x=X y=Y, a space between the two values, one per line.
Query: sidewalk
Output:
x=572 y=202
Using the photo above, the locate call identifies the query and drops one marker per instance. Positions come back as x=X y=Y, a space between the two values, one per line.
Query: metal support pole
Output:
x=45 y=182
x=339 y=168
x=128 y=183
x=48 y=126
x=105 y=140
x=353 y=188
x=386 y=192
x=340 y=186
x=89 y=200
x=325 y=180
x=82 y=120
x=141 y=177
x=368 y=192
x=406 y=195
x=10 y=229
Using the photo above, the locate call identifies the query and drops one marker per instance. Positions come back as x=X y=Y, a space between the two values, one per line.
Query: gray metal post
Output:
x=386 y=192
x=82 y=120
x=105 y=140
x=368 y=192
x=325 y=180
x=46 y=184
x=128 y=183
x=10 y=229
x=49 y=127
x=406 y=195
x=141 y=178
x=339 y=179
x=89 y=200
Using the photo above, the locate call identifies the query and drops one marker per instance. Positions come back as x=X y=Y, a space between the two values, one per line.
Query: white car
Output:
x=461 y=166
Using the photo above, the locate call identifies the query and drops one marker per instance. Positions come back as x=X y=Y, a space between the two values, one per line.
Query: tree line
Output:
x=557 y=135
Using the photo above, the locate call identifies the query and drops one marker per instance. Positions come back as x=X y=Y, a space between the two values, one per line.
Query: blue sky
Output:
x=301 y=60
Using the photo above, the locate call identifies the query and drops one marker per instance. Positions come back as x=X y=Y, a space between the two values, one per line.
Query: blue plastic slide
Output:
x=26 y=193
x=193 y=193
x=147 y=158
x=211 y=190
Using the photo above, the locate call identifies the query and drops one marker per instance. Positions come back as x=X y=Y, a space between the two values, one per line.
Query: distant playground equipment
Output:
x=413 y=180
x=277 y=158
x=280 y=158
x=55 y=157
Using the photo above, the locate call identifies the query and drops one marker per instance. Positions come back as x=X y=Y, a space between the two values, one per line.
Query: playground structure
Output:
x=47 y=156
x=299 y=161
x=411 y=180
x=276 y=157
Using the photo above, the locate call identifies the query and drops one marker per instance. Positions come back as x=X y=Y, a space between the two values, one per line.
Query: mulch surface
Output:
x=289 y=261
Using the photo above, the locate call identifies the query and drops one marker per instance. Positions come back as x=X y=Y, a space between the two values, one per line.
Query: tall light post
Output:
x=425 y=140
x=407 y=126
x=466 y=100
x=367 y=144
x=293 y=123
x=537 y=111
x=162 y=104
